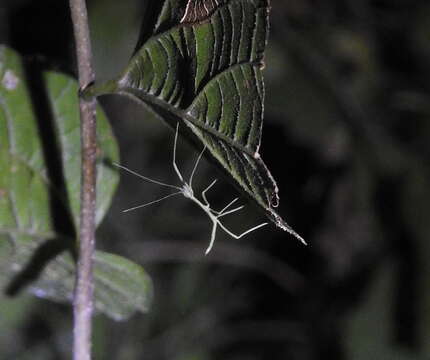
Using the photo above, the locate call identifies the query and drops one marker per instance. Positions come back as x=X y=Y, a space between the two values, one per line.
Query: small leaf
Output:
x=32 y=246
x=121 y=286
x=202 y=67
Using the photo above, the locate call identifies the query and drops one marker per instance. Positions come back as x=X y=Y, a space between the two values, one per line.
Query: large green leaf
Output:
x=61 y=91
x=35 y=211
x=200 y=63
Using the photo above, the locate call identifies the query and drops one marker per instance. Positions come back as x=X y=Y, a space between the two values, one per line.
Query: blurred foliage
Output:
x=40 y=157
x=346 y=136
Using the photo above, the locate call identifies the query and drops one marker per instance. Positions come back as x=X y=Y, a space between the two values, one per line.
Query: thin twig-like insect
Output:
x=187 y=190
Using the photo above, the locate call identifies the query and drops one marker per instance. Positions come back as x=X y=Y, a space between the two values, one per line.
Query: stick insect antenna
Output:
x=152 y=202
x=146 y=178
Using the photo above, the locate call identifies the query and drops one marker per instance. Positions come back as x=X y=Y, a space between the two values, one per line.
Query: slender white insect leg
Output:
x=228 y=205
x=174 y=154
x=195 y=166
x=213 y=234
x=231 y=211
x=243 y=234
x=205 y=190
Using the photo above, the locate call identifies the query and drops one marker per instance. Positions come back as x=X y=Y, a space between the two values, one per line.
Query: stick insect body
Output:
x=187 y=191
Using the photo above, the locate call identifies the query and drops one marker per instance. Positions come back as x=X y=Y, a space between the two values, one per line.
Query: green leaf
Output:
x=200 y=64
x=62 y=91
x=121 y=286
x=32 y=244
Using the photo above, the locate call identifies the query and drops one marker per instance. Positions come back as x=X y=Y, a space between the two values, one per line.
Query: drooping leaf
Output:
x=121 y=286
x=32 y=243
x=200 y=63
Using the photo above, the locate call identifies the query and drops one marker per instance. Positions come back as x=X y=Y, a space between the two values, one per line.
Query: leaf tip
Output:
x=280 y=223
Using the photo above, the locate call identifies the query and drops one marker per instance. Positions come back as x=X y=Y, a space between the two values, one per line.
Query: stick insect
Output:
x=186 y=189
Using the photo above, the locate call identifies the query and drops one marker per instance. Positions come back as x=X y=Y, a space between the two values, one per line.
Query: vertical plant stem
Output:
x=83 y=300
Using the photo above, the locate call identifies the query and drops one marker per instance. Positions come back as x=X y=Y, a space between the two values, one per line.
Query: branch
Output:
x=83 y=300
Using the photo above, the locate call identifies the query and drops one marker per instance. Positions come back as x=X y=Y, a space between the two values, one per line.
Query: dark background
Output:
x=346 y=135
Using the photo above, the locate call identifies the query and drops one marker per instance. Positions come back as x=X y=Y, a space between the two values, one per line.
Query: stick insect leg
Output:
x=231 y=211
x=205 y=190
x=174 y=154
x=213 y=234
x=195 y=166
x=228 y=205
x=233 y=235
